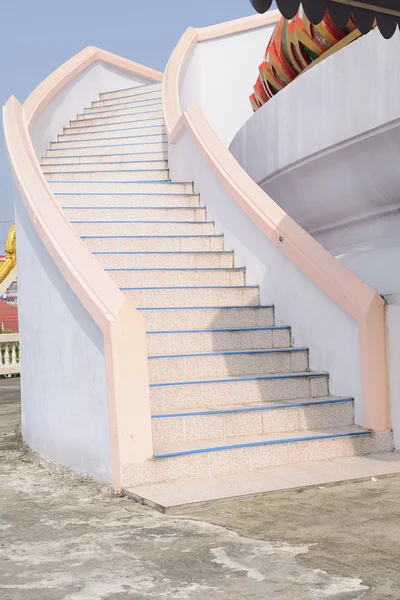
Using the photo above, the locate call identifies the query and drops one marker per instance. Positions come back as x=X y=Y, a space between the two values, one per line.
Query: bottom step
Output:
x=175 y=496
x=214 y=458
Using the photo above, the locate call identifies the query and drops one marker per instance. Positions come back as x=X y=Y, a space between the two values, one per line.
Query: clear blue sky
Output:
x=36 y=36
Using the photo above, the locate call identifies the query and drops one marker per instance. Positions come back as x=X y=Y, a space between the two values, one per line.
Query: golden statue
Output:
x=11 y=254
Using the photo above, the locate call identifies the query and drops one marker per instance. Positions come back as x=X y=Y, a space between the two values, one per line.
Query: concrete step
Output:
x=193 y=296
x=139 y=98
x=126 y=140
x=138 y=213
x=153 y=277
x=120 y=187
x=128 y=229
x=216 y=457
x=216 y=340
x=68 y=167
x=188 y=425
x=174 y=496
x=129 y=107
x=134 y=91
x=109 y=176
x=155 y=243
x=237 y=363
x=165 y=259
x=110 y=152
x=95 y=201
x=211 y=392
x=199 y=319
x=127 y=123
x=120 y=117
x=113 y=133
x=135 y=158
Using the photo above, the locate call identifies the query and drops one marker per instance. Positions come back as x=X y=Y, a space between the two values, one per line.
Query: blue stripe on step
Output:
x=225 y=252
x=174 y=269
x=105 y=146
x=227 y=329
x=264 y=443
x=258 y=306
x=201 y=235
x=194 y=287
x=152 y=181
x=123 y=137
x=233 y=379
x=233 y=353
x=252 y=408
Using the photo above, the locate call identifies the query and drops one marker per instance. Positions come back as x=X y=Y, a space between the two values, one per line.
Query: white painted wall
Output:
x=63 y=385
x=99 y=77
x=325 y=149
x=220 y=77
x=317 y=322
x=393 y=341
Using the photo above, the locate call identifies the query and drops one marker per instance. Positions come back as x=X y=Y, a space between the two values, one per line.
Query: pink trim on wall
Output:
x=334 y=279
x=122 y=325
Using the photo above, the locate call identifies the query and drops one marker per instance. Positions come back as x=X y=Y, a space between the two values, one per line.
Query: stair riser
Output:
x=125 y=176
x=137 y=214
x=115 y=124
x=212 y=318
x=210 y=366
x=215 y=341
x=120 y=141
x=110 y=153
x=154 y=244
x=244 y=459
x=167 y=397
x=124 y=118
x=156 y=165
x=211 y=260
x=148 y=228
x=110 y=132
x=121 y=109
x=155 y=95
x=133 y=91
x=193 y=297
x=123 y=160
x=165 y=278
x=207 y=427
x=155 y=200
x=93 y=187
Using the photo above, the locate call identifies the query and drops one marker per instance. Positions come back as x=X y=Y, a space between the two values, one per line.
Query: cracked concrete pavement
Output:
x=63 y=537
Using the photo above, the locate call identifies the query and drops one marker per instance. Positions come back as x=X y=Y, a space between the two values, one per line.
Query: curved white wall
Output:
x=220 y=75
x=64 y=399
x=326 y=150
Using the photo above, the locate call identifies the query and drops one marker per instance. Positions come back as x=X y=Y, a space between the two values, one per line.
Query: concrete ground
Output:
x=63 y=537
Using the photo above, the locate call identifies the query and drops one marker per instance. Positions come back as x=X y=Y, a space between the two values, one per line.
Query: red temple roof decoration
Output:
x=386 y=13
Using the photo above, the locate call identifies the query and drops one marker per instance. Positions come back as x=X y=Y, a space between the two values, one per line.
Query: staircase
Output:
x=229 y=392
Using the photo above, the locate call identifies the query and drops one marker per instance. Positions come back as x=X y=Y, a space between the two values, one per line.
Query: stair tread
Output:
x=245 y=407
x=223 y=330
x=232 y=379
x=232 y=352
x=218 y=444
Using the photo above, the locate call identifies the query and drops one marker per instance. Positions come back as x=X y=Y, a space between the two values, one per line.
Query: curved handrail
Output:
x=59 y=78
x=123 y=327
x=339 y=283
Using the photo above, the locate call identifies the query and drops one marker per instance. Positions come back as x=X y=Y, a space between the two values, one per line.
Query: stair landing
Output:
x=180 y=495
